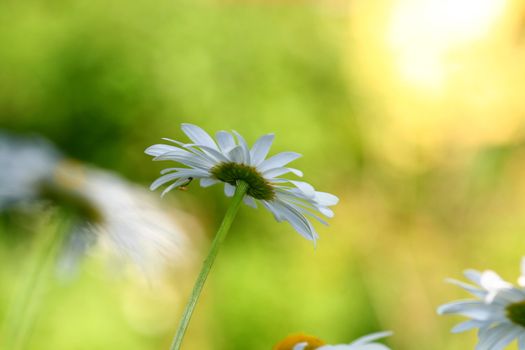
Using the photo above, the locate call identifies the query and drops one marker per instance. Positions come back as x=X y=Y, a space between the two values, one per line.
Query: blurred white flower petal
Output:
x=306 y=342
x=117 y=215
x=497 y=311
x=132 y=223
x=25 y=163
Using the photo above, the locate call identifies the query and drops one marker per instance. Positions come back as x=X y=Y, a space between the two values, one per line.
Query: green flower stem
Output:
x=23 y=311
x=241 y=189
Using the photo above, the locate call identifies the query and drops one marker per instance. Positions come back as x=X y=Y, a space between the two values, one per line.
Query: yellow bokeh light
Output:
x=444 y=73
x=421 y=33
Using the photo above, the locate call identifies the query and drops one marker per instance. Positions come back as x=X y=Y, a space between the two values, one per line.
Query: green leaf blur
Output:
x=104 y=80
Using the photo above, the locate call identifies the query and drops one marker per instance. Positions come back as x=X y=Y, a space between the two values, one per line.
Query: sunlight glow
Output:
x=422 y=32
x=444 y=74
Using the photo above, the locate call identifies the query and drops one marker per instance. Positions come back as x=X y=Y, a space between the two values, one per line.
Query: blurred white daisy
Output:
x=497 y=311
x=306 y=342
x=121 y=217
x=24 y=164
x=230 y=160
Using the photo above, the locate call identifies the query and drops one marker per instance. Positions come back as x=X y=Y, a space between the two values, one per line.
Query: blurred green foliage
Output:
x=105 y=80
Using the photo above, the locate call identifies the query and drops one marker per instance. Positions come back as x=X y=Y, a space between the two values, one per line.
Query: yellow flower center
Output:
x=290 y=341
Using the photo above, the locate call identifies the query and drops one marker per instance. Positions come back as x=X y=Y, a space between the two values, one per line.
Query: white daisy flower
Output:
x=306 y=342
x=498 y=309
x=125 y=219
x=121 y=217
x=229 y=160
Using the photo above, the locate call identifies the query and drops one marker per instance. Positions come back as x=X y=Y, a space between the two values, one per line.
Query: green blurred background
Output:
x=430 y=171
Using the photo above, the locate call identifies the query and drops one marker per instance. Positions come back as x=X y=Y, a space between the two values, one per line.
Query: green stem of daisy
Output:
x=23 y=311
x=240 y=191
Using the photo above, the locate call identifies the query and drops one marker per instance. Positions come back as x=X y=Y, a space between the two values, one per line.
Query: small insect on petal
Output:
x=184 y=186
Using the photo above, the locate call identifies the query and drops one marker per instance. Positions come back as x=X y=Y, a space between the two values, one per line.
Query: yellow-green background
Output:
x=105 y=79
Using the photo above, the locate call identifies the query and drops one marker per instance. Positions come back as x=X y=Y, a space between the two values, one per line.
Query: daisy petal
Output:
x=249 y=201
x=300 y=346
x=199 y=136
x=261 y=148
x=326 y=198
x=225 y=140
x=473 y=276
x=169 y=177
x=371 y=337
x=207 y=182
x=277 y=161
x=177 y=183
x=157 y=150
x=229 y=190
x=281 y=171
x=215 y=155
x=521 y=342
x=466 y=326
x=236 y=155
x=244 y=146
x=305 y=187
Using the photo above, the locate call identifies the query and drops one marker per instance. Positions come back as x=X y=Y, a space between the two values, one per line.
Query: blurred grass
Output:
x=105 y=80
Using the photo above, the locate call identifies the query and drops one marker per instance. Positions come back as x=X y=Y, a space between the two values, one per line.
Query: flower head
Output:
x=228 y=159
x=306 y=342
x=107 y=209
x=498 y=309
x=120 y=217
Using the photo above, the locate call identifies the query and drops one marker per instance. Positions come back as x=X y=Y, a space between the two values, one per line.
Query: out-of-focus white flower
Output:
x=24 y=165
x=128 y=221
x=306 y=342
x=118 y=215
x=497 y=311
x=230 y=160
